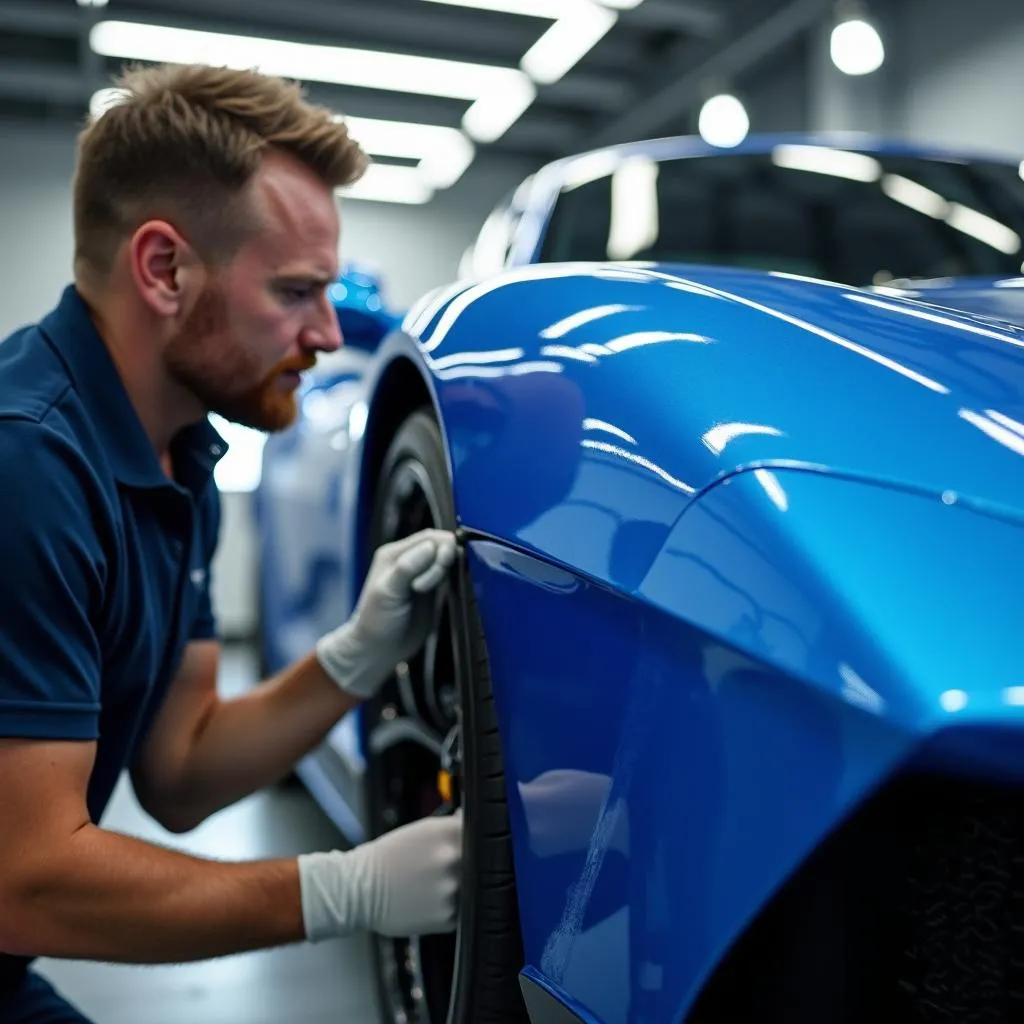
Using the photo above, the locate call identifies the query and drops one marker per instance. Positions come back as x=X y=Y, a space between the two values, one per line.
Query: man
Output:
x=206 y=235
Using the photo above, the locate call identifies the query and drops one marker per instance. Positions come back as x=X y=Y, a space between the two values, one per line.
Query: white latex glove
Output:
x=393 y=615
x=406 y=882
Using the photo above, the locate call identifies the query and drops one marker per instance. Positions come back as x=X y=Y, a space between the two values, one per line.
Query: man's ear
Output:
x=166 y=269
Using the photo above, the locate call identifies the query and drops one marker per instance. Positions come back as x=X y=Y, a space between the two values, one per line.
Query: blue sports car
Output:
x=729 y=678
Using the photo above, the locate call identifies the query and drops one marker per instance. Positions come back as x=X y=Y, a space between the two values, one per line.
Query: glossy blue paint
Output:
x=762 y=536
x=675 y=755
x=999 y=299
x=627 y=391
x=642 y=836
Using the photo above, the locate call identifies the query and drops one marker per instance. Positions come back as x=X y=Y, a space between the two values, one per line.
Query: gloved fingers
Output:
x=410 y=565
x=444 y=557
x=423 y=566
x=395 y=549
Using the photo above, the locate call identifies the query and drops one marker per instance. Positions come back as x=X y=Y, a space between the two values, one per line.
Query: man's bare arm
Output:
x=204 y=753
x=72 y=890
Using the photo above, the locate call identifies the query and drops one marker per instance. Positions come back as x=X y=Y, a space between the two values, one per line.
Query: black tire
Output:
x=470 y=977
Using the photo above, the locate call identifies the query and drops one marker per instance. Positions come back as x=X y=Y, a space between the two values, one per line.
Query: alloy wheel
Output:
x=413 y=738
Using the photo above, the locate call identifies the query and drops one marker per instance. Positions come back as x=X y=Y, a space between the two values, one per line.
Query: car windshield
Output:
x=855 y=217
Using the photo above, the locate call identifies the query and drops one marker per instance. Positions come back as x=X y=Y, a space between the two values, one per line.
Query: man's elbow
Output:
x=168 y=809
x=174 y=816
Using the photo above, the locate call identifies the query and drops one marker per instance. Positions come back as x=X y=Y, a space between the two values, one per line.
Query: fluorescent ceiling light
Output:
x=550 y=9
x=578 y=26
x=385 y=183
x=337 y=65
x=566 y=42
x=915 y=196
x=823 y=160
x=983 y=228
x=492 y=115
x=634 y=219
x=443 y=153
x=856 y=47
x=723 y=121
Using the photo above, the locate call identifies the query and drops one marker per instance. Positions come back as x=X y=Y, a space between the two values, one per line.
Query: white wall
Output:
x=416 y=248
x=35 y=218
x=963 y=72
x=953 y=75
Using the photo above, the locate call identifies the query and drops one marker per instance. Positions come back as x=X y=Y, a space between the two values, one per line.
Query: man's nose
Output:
x=324 y=333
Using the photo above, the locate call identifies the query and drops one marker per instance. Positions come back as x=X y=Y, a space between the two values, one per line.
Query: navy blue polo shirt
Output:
x=105 y=576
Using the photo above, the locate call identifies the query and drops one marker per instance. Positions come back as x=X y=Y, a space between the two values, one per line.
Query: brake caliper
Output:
x=449 y=774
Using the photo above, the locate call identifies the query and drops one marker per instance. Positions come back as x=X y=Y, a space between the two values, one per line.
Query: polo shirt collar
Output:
x=70 y=330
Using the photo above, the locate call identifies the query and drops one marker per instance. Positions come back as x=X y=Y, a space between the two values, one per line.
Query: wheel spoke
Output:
x=403 y=729
x=406 y=692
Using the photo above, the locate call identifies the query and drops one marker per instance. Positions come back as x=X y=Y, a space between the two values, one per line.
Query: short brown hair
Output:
x=182 y=143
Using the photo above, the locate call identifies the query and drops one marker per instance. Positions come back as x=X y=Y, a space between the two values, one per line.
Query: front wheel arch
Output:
x=488 y=953
x=399 y=392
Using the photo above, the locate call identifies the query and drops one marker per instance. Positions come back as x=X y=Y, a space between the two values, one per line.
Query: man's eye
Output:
x=296 y=294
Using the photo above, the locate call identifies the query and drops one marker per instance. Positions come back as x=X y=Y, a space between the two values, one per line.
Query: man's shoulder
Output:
x=33 y=379
x=46 y=442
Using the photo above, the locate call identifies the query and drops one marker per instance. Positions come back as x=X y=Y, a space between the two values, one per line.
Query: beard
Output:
x=203 y=360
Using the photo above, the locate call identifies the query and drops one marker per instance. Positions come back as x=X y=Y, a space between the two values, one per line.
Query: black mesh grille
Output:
x=912 y=912
x=962 y=956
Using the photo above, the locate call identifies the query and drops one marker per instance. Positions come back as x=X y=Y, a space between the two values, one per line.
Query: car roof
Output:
x=679 y=146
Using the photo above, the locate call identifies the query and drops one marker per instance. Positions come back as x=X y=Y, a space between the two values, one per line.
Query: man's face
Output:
x=261 y=320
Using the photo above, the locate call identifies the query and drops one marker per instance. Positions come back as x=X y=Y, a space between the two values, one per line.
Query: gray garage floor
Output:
x=318 y=984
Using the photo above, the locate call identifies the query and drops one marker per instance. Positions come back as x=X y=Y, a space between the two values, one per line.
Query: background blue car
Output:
x=729 y=678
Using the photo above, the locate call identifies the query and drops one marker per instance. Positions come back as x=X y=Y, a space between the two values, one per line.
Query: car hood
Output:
x=991 y=298
x=683 y=375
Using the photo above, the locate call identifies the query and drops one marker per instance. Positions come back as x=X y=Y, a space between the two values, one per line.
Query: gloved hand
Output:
x=393 y=615
x=406 y=882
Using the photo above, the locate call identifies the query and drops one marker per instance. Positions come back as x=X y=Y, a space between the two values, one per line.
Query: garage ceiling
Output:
x=639 y=77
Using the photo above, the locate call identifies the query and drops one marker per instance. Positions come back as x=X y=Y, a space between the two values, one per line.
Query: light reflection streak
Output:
x=515 y=370
x=568 y=352
x=609 y=428
x=770 y=482
x=639 y=460
x=937 y=318
x=640 y=338
x=585 y=316
x=718 y=437
x=857 y=692
x=462 y=302
x=1005 y=436
x=1006 y=421
x=500 y=355
x=851 y=346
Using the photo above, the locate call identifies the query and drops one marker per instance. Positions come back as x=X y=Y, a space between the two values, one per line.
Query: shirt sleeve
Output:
x=204 y=624
x=51 y=587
